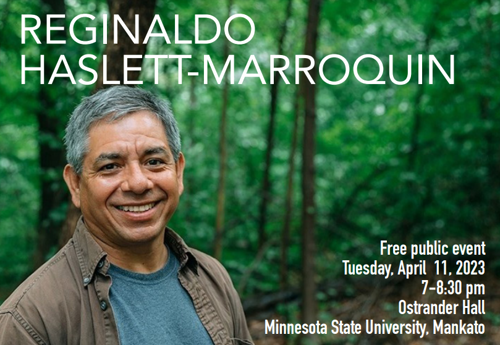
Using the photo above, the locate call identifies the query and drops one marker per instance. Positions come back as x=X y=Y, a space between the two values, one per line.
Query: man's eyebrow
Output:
x=156 y=150
x=107 y=156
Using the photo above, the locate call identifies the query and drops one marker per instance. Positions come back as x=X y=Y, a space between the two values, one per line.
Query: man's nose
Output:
x=135 y=180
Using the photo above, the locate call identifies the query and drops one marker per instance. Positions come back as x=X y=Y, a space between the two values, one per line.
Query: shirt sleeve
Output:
x=17 y=331
x=241 y=332
x=217 y=283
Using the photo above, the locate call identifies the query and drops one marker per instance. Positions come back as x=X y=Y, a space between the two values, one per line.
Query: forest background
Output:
x=283 y=182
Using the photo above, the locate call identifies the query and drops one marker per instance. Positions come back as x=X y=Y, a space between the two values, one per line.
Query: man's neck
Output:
x=147 y=258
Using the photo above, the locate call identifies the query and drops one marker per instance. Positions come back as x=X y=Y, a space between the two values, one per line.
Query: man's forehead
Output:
x=139 y=133
x=142 y=123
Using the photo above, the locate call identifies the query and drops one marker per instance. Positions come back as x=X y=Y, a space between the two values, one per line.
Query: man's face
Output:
x=130 y=184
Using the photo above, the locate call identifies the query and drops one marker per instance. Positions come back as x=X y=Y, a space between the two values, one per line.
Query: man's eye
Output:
x=109 y=166
x=154 y=162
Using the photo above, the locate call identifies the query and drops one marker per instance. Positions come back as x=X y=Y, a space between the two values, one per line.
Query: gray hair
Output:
x=115 y=102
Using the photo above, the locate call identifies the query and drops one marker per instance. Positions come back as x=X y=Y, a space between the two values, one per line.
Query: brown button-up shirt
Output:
x=66 y=301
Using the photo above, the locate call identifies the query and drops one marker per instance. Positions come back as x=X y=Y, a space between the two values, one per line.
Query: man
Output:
x=124 y=278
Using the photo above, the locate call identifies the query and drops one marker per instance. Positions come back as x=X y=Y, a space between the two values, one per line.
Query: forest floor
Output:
x=380 y=302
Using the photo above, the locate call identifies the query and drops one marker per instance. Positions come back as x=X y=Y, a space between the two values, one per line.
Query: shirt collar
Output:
x=181 y=250
x=88 y=252
x=92 y=257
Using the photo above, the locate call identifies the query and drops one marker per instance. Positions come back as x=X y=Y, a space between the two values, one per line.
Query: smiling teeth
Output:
x=142 y=208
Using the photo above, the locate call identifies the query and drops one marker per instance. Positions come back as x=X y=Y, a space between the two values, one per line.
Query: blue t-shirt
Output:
x=154 y=308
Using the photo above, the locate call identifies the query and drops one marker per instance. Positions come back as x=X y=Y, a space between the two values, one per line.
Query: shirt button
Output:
x=100 y=264
x=86 y=280
x=104 y=305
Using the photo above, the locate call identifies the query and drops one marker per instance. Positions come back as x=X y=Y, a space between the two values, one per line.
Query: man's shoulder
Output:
x=47 y=281
x=208 y=262
x=38 y=310
x=211 y=268
x=225 y=299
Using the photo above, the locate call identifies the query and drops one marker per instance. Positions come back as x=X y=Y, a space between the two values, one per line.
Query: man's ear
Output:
x=179 y=168
x=73 y=182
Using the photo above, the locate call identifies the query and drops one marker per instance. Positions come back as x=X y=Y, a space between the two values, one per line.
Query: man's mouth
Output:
x=137 y=209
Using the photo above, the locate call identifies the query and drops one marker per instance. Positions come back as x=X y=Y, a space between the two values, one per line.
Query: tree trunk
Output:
x=50 y=154
x=188 y=140
x=221 y=187
x=405 y=227
x=485 y=99
x=417 y=101
x=127 y=9
x=266 y=181
x=309 y=305
x=287 y=222
x=485 y=112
